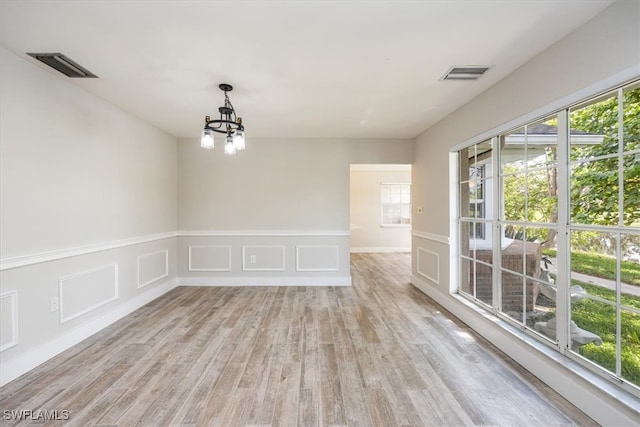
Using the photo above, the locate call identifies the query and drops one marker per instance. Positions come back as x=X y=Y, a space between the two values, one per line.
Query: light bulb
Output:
x=229 y=148
x=238 y=140
x=206 y=141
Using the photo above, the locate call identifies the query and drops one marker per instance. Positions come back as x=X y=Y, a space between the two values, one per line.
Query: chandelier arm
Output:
x=220 y=128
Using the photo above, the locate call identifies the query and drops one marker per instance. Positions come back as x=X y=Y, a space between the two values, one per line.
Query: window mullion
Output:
x=563 y=280
x=495 y=222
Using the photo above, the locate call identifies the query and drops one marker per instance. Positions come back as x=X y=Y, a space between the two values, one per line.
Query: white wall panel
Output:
x=8 y=320
x=209 y=258
x=317 y=258
x=152 y=267
x=428 y=265
x=263 y=258
x=85 y=291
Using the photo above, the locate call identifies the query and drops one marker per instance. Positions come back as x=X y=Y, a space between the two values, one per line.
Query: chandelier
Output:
x=227 y=124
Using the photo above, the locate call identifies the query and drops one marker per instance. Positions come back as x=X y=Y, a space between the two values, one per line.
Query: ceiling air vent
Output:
x=63 y=64
x=467 y=72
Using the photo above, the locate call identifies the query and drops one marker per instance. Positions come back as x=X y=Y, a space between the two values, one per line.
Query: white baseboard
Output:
x=599 y=399
x=265 y=281
x=371 y=250
x=12 y=369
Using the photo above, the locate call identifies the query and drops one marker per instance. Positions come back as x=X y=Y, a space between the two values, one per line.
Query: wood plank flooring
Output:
x=377 y=354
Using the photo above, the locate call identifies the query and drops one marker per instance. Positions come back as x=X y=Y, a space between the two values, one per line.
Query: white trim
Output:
x=12 y=369
x=166 y=267
x=590 y=91
x=436 y=279
x=244 y=264
x=321 y=247
x=37 y=258
x=263 y=233
x=63 y=318
x=228 y=268
x=598 y=398
x=431 y=236
x=14 y=319
x=374 y=249
x=265 y=281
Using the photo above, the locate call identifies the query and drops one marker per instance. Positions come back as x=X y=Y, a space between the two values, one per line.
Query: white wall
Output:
x=88 y=213
x=607 y=46
x=367 y=235
x=291 y=195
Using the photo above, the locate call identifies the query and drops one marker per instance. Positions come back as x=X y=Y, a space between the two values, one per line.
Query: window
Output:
x=476 y=200
x=567 y=203
x=396 y=204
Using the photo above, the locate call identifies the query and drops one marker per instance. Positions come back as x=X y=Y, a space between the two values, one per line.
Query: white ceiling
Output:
x=346 y=69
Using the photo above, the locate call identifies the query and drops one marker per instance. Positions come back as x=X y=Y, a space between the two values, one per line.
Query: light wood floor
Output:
x=378 y=354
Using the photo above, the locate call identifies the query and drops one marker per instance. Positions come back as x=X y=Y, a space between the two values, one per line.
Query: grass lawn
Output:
x=600 y=319
x=601 y=266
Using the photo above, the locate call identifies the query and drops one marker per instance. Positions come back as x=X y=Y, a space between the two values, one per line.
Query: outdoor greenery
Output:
x=594 y=184
x=599 y=151
x=601 y=266
x=600 y=319
x=594 y=180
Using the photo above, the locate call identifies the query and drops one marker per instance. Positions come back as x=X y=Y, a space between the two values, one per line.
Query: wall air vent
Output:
x=466 y=72
x=63 y=64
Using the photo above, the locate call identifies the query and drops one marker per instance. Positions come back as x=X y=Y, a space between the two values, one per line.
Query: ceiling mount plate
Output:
x=225 y=87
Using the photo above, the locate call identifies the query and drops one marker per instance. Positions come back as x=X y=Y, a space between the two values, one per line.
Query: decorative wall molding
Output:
x=37 y=258
x=333 y=257
x=161 y=275
x=13 y=368
x=263 y=233
x=431 y=236
x=222 y=248
x=11 y=299
x=421 y=255
x=248 y=251
x=89 y=283
x=265 y=281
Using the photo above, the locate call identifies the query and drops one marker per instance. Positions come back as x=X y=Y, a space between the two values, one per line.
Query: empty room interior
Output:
x=370 y=213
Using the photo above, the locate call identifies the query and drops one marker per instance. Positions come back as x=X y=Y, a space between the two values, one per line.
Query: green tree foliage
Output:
x=594 y=182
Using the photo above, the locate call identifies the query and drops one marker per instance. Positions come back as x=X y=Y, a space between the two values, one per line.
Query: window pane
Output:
x=631 y=120
x=512 y=157
x=630 y=259
x=594 y=253
x=513 y=254
x=467 y=284
x=514 y=303
x=630 y=346
x=594 y=192
x=514 y=197
x=594 y=128
x=483 y=246
x=631 y=189
x=484 y=282
x=542 y=195
x=593 y=331
x=465 y=230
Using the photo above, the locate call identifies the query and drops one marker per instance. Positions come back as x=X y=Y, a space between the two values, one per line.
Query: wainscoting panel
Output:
x=8 y=320
x=83 y=292
x=152 y=267
x=209 y=258
x=317 y=258
x=263 y=258
x=428 y=265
